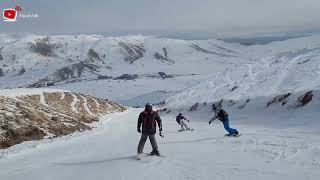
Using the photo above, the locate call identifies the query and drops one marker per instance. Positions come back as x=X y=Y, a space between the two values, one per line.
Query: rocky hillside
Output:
x=29 y=114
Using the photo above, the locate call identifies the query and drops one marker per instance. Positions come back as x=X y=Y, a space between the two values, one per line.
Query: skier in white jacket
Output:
x=182 y=121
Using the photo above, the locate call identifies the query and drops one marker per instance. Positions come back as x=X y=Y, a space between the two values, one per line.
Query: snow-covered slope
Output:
x=262 y=153
x=286 y=72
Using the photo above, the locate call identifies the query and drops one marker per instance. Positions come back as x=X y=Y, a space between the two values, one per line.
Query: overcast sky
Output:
x=216 y=17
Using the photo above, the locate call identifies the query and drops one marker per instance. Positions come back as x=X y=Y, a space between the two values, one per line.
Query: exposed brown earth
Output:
x=49 y=115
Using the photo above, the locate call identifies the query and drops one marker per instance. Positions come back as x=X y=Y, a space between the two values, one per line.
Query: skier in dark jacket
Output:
x=148 y=119
x=223 y=116
x=182 y=121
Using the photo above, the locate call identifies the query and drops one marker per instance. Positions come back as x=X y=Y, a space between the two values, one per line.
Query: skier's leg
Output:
x=227 y=127
x=182 y=126
x=185 y=124
x=153 y=142
x=142 y=142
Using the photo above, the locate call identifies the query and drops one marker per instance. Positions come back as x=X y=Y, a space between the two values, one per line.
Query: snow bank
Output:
x=24 y=92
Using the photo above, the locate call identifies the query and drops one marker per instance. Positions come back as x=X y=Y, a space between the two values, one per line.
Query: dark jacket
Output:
x=222 y=115
x=148 y=121
x=178 y=118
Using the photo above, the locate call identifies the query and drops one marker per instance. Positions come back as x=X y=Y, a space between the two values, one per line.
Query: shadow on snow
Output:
x=84 y=163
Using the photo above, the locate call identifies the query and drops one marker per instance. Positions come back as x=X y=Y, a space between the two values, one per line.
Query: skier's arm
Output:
x=159 y=121
x=213 y=118
x=185 y=118
x=140 y=120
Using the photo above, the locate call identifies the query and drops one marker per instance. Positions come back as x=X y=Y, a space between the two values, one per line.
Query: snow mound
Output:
x=12 y=93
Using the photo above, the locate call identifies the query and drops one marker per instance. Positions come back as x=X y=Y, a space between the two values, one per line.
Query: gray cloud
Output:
x=219 y=17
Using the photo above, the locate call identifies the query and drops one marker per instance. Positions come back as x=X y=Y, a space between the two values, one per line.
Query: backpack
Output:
x=149 y=123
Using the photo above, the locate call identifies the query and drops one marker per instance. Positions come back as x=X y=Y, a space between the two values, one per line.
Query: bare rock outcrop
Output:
x=194 y=107
x=132 y=52
x=44 y=47
x=279 y=99
x=49 y=114
x=305 y=99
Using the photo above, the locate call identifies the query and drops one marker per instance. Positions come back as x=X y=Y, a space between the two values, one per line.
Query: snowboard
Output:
x=228 y=135
x=180 y=130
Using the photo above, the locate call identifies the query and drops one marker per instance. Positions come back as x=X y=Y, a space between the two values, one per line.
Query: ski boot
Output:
x=155 y=153
x=139 y=156
x=236 y=133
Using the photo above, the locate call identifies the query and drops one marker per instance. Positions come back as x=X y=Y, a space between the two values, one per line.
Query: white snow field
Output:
x=108 y=152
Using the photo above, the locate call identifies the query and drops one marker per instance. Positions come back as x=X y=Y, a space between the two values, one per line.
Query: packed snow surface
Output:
x=109 y=153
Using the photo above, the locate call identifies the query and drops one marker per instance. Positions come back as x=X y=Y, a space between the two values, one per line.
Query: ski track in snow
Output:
x=108 y=105
x=97 y=103
x=74 y=103
x=43 y=100
x=46 y=131
x=109 y=153
x=63 y=95
x=85 y=104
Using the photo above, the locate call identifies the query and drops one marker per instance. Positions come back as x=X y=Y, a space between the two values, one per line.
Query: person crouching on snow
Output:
x=183 y=122
x=223 y=116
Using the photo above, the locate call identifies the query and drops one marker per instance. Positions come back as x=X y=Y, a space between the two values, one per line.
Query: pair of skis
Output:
x=232 y=135
x=181 y=130
x=141 y=156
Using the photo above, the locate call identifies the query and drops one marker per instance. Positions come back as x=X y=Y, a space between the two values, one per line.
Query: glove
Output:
x=139 y=130
x=210 y=122
x=188 y=121
x=160 y=134
x=160 y=129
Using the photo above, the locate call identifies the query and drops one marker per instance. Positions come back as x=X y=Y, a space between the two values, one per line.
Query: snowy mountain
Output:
x=36 y=60
x=102 y=66
x=271 y=93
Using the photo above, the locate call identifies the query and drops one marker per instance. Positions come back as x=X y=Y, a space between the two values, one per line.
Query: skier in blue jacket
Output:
x=223 y=116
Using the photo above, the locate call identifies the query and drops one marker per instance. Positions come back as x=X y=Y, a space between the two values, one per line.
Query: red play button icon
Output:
x=9 y=15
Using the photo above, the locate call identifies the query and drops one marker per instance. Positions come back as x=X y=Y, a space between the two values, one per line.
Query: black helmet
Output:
x=180 y=114
x=214 y=107
x=148 y=107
